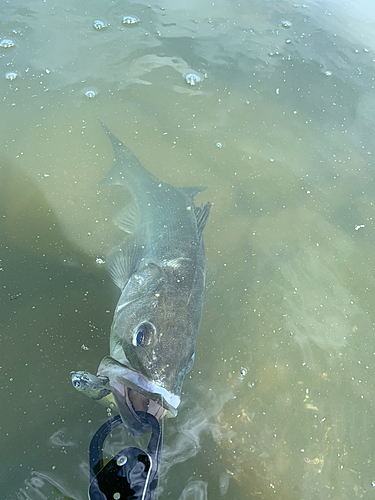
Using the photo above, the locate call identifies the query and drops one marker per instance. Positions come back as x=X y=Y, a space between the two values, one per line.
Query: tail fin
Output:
x=127 y=170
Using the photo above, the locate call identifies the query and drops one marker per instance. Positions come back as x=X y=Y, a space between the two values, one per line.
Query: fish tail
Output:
x=127 y=170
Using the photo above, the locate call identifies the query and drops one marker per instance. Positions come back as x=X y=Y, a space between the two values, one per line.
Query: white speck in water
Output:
x=7 y=43
x=277 y=91
x=327 y=73
x=188 y=208
x=84 y=347
x=219 y=145
x=192 y=79
x=359 y=227
x=130 y=20
x=99 y=260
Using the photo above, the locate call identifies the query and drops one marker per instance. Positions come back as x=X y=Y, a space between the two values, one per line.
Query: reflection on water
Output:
x=280 y=127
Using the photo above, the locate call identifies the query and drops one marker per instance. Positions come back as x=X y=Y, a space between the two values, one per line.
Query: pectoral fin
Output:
x=127 y=218
x=124 y=260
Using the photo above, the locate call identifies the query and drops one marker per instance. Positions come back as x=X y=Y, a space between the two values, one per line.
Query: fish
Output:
x=160 y=270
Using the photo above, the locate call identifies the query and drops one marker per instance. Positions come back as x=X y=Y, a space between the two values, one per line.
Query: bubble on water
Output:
x=192 y=79
x=90 y=94
x=130 y=20
x=327 y=73
x=219 y=145
x=7 y=43
x=288 y=41
x=286 y=24
x=11 y=76
x=99 y=25
x=243 y=371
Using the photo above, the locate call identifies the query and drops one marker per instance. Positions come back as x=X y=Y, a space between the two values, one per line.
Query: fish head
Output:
x=153 y=335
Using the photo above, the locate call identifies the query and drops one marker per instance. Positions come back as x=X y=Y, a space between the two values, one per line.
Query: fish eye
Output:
x=143 y=334
x=77 y=383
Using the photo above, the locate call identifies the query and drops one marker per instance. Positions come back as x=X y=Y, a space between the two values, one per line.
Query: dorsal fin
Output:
x=202 y=213
x=192 y=191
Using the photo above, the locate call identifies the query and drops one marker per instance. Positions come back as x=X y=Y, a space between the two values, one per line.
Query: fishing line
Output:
x=161 y=437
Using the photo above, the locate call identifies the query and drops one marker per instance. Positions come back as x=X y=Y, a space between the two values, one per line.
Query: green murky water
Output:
x=280 y=403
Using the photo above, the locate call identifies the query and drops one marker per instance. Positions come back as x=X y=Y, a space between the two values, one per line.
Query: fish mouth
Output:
x=134 y=392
